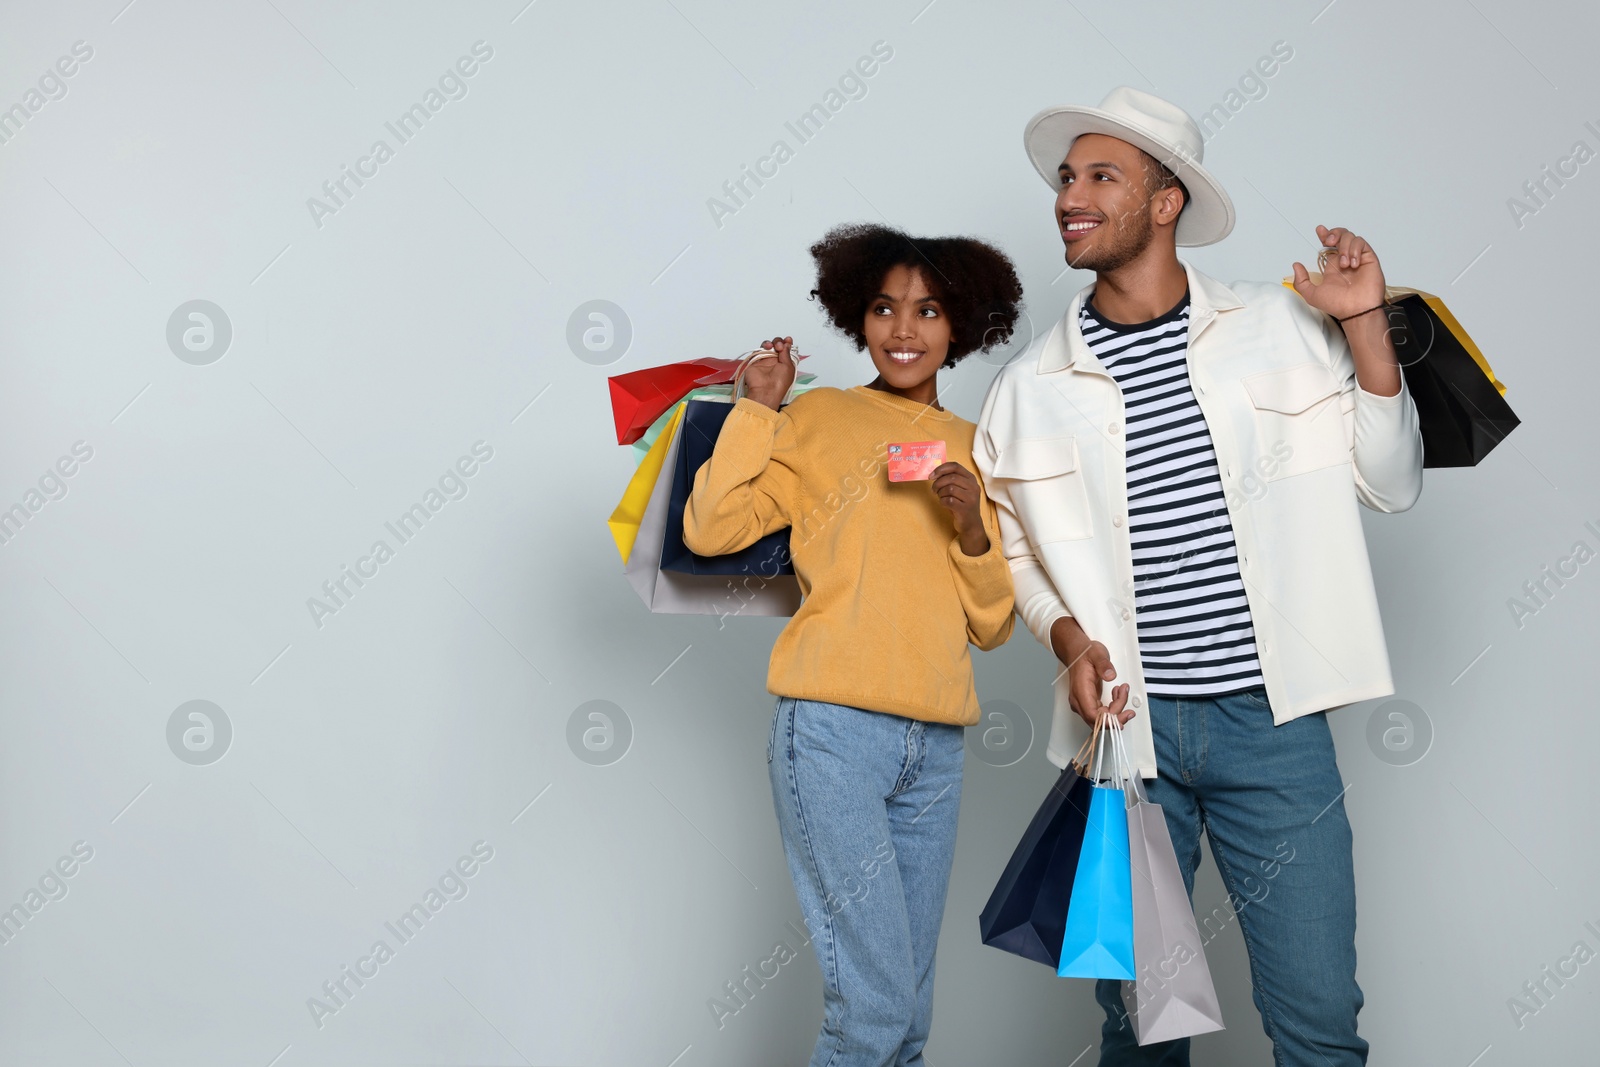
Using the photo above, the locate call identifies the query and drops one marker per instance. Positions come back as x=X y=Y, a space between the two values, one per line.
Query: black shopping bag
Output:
x=768 y=557
x=1027 y=912
x=1460 y=405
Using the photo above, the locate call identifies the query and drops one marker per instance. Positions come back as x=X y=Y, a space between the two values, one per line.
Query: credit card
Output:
x=914 y=461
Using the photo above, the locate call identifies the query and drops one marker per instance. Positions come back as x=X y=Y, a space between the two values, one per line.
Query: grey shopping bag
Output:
x=675 y=593
x=1171 y=995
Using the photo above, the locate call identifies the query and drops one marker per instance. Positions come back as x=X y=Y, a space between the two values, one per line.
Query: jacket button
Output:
x=1116 y=520
x=1126 y=614
x=1136 y=702
x=1115 y=427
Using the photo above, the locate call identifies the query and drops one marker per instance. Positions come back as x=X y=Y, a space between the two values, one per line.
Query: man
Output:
x=1177 y=466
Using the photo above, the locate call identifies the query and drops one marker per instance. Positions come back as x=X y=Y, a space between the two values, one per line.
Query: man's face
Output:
x=1104 y=207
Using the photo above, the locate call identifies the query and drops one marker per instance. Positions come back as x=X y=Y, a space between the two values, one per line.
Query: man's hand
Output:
x=1087 y=664
x=1353 y=285
x=767 y=381
x=957 y=489
x=1352 y=281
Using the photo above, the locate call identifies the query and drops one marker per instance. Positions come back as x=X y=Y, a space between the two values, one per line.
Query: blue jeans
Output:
x=867 y=805
x=1271 y=801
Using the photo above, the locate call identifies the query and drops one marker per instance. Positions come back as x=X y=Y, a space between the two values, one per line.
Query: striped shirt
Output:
x=1195 y=634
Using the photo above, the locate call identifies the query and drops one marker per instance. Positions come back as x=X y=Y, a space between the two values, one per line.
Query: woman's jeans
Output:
x=1271 y=801
x=867 y=805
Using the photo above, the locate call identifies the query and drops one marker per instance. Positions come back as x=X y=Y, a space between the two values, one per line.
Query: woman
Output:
x=873 y=673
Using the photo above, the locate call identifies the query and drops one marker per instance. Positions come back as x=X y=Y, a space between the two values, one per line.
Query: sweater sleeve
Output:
x=983 y=583
x=750 y=485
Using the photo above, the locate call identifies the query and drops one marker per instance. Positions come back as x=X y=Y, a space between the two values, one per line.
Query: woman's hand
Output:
x=957 y=489
x=767 y=381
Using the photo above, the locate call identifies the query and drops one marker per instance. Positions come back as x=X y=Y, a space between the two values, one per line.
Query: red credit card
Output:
x=914 y=461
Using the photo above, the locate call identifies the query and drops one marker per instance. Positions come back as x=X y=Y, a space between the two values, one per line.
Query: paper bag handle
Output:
x=1094 y=753
x=1133 y=782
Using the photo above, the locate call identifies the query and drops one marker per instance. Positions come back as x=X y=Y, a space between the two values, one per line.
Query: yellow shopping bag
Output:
x=624 y=521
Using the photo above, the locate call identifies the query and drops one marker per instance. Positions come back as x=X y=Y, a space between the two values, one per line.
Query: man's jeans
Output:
x=1271 y=801
x=867 y=805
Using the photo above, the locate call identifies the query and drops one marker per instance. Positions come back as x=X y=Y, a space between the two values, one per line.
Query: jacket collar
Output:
x=1065 y=347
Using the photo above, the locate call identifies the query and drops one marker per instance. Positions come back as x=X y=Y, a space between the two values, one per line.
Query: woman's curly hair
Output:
x=974 y=281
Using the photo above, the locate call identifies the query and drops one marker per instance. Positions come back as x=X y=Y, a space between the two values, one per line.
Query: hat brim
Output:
x=1207 y=218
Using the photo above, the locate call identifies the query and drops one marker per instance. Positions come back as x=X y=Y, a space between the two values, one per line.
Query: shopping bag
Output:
x=1098 y=939
x=1027 y=912
x=1461 y=406
x=674 y=593
x=647 y=441
x=639 y=397
x=1172 y=995
x=702 y=423
x=641 y=447
x=624 y=521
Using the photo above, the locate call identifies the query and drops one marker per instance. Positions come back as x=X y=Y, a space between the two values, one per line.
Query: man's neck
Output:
x=1144 y=289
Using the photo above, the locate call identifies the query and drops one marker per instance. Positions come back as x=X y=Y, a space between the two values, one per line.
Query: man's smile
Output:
x=1077 y=227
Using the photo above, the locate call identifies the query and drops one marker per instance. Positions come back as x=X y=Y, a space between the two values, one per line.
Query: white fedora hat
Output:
x=1163 y=129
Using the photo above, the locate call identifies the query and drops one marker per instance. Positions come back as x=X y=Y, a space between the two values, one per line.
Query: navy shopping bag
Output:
x=702 y=422
x=1027 y=912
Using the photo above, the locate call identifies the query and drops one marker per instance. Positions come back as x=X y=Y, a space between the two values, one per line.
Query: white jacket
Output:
x=1298 y=444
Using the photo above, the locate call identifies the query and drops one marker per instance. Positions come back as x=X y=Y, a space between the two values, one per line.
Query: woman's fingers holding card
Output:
x=954 y=484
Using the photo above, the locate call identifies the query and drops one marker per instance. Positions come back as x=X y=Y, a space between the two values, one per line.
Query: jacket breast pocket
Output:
x=1299 y=417
x=1046 y=487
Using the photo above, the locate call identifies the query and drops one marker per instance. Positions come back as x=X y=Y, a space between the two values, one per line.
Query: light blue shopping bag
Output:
x=1098 y=942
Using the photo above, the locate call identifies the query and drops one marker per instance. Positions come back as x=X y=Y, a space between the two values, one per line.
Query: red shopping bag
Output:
x=640 y=397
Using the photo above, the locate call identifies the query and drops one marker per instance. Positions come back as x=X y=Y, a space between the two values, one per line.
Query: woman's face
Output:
x=908 y=334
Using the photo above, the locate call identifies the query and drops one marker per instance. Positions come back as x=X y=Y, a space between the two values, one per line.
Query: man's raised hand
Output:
x=1352 y=280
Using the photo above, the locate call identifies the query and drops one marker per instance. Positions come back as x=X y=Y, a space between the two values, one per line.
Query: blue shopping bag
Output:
x=767 y=558
x=1098 y=941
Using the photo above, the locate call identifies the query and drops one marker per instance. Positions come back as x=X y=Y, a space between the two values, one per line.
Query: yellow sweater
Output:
x=890 y=600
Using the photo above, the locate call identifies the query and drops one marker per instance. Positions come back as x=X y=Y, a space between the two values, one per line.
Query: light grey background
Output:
x=430 y=312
